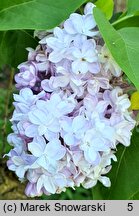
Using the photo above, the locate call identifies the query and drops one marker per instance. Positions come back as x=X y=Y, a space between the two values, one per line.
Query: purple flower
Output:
x=47 y=154
x=80 y=24
x=27 y=76
x=59 y=44
x=85 y=57
x=68 y=117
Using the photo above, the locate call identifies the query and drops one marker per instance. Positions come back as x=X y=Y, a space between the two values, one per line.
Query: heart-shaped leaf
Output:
x=35 y=14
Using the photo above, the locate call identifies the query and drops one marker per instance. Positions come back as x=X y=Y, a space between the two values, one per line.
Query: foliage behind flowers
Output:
x=69 y=116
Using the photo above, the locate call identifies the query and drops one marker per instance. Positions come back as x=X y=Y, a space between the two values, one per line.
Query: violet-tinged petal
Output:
x=31 y=131
x=69 y=139
x=37 y=147
x=55 y=150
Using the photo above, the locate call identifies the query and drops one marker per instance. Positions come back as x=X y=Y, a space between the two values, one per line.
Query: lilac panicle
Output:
x=69 y=116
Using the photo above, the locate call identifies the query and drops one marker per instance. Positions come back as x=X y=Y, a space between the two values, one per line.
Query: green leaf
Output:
x=135 y=197
x=123 y=45
x=132 y=7
x=124 y=174
x=35 y=14
x=13 y=46
x=128 y=22
x=106 y=6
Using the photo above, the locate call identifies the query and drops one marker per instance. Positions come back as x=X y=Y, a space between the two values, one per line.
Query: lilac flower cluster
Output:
x=68 y=117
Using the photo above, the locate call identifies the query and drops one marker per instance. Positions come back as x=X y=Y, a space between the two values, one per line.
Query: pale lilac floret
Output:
x=47 y=154
x=59 y=43
x=65 y=78
x=108 y=63
x=85 y=57
x=45 y=117
x=81 y=24
x=96 y=83
x=51 y=183
x=31 y=190
x=19 y=161
x=27 y=76
x=73 y=130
